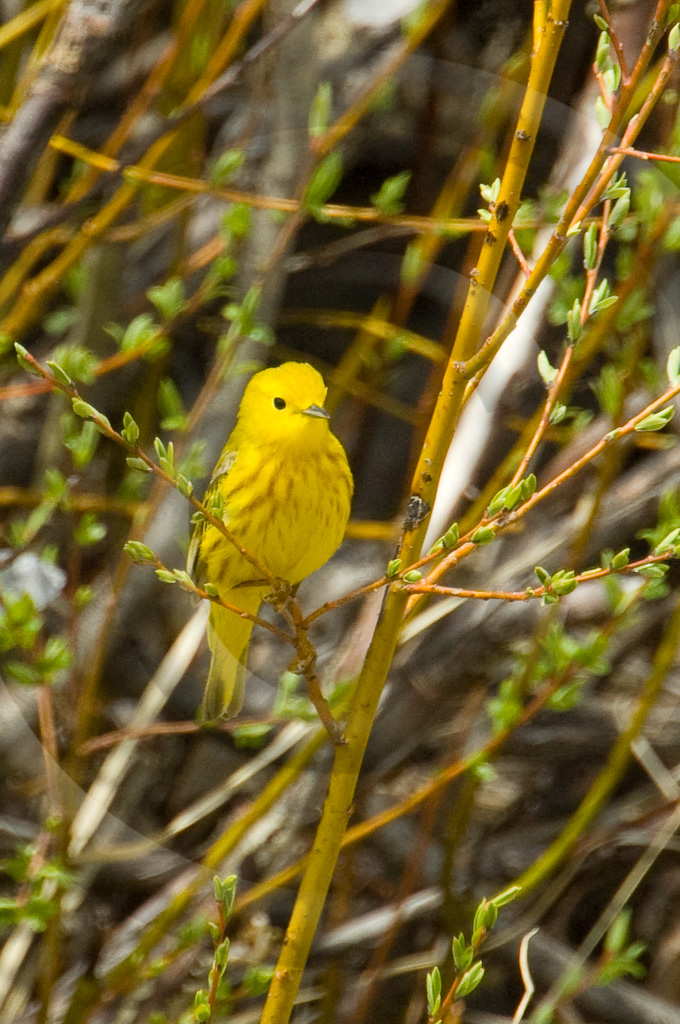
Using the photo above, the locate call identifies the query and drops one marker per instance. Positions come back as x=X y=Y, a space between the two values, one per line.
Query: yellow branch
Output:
x=348 y=759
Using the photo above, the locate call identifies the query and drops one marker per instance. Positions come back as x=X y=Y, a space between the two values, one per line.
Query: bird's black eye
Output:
x=279 y=403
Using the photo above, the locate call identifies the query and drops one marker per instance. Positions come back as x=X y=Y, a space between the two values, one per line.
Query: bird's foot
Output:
x=279 y=595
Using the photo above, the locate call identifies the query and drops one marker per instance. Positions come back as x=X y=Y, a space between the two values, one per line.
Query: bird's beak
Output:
x=316 y=410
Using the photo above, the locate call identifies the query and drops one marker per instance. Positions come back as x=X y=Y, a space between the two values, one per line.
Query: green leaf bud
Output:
x=470 y=981
x=139 y=552
x=83 y=409
x=59 y=373
x=620 y=560
x=484 y=535
x=166 y=576
x=657 y=420
x=130 y=429
x=138 y=464
x=23 y=359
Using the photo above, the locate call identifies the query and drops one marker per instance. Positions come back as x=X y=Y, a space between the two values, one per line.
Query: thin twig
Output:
x=618 y=45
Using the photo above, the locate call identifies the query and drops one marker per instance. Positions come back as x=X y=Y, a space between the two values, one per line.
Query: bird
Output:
x=284 y=487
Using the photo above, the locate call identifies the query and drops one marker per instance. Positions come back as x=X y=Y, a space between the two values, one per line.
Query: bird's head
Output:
x=284 y=404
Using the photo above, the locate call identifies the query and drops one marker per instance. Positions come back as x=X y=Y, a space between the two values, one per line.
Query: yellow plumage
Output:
x=286 y=490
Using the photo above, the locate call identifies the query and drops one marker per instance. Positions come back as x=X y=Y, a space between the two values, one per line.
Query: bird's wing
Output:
x=224 y=464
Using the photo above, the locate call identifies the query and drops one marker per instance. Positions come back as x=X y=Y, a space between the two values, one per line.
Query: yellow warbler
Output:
x=285 y=488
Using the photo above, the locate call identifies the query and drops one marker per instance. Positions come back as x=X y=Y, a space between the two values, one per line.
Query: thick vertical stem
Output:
x=348 y=758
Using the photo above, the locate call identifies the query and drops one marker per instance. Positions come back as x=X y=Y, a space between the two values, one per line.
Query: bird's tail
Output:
x=228 y=639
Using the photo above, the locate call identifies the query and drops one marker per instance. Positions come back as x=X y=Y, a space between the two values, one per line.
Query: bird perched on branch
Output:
x=283 y=487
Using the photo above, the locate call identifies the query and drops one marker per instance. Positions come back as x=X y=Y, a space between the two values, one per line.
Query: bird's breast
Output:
x=290 y=513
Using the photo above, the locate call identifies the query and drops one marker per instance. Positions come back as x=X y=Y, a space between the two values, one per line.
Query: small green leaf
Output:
x=56 y=658
x=490 y=915
x=23 y=360
x=602 y=58
x=60 y=373
x=82 y=444
x=228 y=894
x=620 y=560
x=223 y=268
x=673 y=366
x=566 y=697
x=498 y=501
x=528 y=485
x=433 y=987
x=617 y=933
x=323 y=183
x=77 y=362
x=602 y=297
x=83 y=596
x=668 y=543
x=611 y=79
x=184 y=486
x=226 y=166
x=139 y=552
x=656 y=571
x=22 y=673
x=462 y=953
x=389 y=198
x=173 y=413
x=236 y=221
x=602 y=113
x=470 y=981
x=251 y=737
x=619 y=211
x=139 y=332
x=320 y=110
x=139 y=465
x=482 y=770
x=411 y=264
x=674 y=38
x=451 y=537
x=558 y=414
x=590 y=247
x=130 y=429
x=393 y=567
x=478 y=921
x=83 y=409
x=491 y=192
x=160 y=449
x=507 y=896
x=617 y=188
x=484 y=535
x=414 y=576
x=574 y=325
x=168 y=298
x=166 y=576
x=256 y=979
x=657 y=420
x=563 y=582
x=547 y=371
x=89 y=530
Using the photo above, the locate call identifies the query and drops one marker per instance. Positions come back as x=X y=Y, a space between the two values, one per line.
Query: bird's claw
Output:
x=279 y=594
